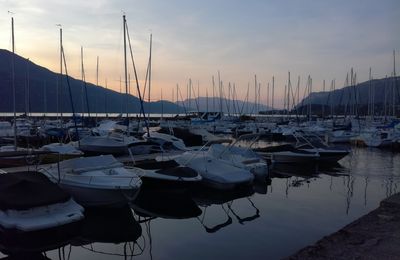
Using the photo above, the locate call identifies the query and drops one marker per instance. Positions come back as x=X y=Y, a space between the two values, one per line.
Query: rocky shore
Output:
x=373 y=236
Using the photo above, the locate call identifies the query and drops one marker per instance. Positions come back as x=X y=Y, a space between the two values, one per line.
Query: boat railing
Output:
x=299 y=138
x=93 y=168
x=91 y=179
x=202 y=150
x=254 y=138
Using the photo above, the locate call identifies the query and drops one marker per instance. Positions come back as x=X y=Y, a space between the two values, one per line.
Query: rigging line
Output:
x=183 y=103
x=85 y=86
x=148 y=73
x=194 y=96
x=137 y=81
x=70 y=95
x=246 y=100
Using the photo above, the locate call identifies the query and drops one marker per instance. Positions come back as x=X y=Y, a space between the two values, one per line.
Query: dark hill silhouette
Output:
x=385 y=91
x=43 y=92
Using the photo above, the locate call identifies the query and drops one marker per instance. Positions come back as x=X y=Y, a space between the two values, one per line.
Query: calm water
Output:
x=274 y=220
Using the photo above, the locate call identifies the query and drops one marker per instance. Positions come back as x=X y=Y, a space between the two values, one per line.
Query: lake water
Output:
x=298 y=207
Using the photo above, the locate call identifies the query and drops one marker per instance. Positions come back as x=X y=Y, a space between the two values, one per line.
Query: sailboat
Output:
x=112 y=143
x=59 y=151
x=11 y=155
x=97 y=180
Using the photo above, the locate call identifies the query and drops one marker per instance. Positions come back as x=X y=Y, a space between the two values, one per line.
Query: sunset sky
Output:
x=195 y=39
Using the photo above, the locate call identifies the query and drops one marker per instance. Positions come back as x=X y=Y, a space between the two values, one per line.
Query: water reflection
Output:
x=30 y=245
x=165 y=203
x=101 y=226
x=223 y=200
x=104 y=225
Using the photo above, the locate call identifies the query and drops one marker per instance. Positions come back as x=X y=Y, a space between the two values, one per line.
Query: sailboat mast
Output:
x=394 y=84
x=177 y=97
x=149 y=96
x=220 y=93
x=273 y=89
x=207 y=100
x=97 y=84
x=83 y=84
x=255 y=93
x=28 y=102
x=45 y=96
x=125 y=73
x=369 y=113
x=13 y=82
x=105 y=99
x=61 y=73
x=213 y=93
x=268 y=95
x=162 y=107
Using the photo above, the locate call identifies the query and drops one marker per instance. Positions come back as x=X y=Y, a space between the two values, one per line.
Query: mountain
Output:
x=43 y=92
x=347 y=95
x=384 y=91
x=213 y=104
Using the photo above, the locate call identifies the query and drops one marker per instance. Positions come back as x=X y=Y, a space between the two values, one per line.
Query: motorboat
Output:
x=166 y=171
x=165 y=140
x=216 y=173
x=381 y=138
x=287 y=153
x=6 y=129
x=40 y=215
x=340 y=136
x=326 y=153
x=96 y=181
x=29 y=201
x=241 y=157
x=11 y=156
x=111 y=144
x=60 y=152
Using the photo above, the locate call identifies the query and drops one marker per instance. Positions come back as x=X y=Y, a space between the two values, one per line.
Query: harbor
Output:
x=199 y=130
x=293 y=206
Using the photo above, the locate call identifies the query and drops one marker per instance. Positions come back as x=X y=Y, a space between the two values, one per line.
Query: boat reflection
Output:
x=308 y=171
x=211 y=200
x=105 y=231
x=105 y=226
x=261 y=186
x=33 y=244
x=165 y=203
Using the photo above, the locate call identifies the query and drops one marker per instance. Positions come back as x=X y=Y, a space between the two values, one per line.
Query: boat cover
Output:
x=25 y=190
x=88 y=163
x=170 y=168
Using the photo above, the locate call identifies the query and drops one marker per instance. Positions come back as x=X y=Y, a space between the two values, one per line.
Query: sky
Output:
x=196 y=39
